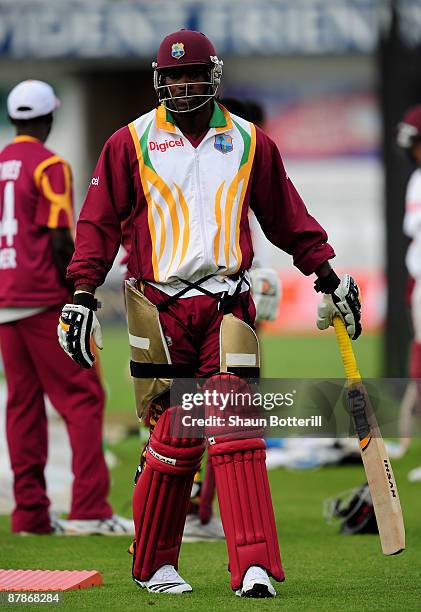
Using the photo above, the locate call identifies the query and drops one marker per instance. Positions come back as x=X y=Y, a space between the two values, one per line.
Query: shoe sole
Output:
x=144 y=586
x=97 y=533
x=34 y=533
x=258 y=591
x=70 y=530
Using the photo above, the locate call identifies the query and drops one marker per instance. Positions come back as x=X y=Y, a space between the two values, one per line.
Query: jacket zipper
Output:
x=208 y=261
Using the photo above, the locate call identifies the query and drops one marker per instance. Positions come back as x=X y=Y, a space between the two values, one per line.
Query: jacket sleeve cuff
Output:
x=85 y=281
x=310 y=261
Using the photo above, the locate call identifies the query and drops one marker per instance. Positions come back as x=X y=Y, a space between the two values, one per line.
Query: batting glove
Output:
x=77 y=323
x=343 y=301
x=266 y=291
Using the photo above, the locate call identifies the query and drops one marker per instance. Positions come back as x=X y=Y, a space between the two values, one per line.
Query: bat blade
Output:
x=384 y=494
x=379 y=473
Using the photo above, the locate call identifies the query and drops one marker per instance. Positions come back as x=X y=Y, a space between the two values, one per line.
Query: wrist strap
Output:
x=84 y=298
x=327 y=284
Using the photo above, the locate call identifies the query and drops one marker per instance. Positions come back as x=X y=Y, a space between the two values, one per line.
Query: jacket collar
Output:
x=25 y=138
x=220 y=119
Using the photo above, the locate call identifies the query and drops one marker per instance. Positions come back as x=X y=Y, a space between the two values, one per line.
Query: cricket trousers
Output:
x=35 y=365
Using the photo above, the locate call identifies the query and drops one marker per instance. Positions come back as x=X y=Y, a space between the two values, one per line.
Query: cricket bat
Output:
x=380 y=478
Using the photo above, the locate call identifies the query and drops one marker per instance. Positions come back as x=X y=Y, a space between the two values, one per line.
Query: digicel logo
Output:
x=164 y=146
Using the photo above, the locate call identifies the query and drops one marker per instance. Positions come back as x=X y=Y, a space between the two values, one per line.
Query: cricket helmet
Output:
x=409 y=129
x=186 y=48
x=354 y=509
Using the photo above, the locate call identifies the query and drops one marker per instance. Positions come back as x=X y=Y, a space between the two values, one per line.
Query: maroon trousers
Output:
x=192 y=327
x=36 y=365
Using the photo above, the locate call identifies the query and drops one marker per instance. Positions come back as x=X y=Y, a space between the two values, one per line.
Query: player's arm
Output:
x=286 y=222
x=62 y=246
x=98 y=237
x=54 y=211
x=412 y=217
x=107 y=204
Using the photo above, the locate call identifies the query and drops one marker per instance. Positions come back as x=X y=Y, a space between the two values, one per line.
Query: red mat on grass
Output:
x=48 y=580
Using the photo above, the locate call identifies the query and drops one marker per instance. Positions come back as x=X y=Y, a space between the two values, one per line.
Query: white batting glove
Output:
x=345 y=302
x=77 y=324
x=266 y=291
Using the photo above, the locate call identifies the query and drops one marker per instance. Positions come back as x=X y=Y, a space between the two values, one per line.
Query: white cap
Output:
x=31 y=99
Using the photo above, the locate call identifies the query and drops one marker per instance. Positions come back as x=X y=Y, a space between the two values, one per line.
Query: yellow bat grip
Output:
x=348 y=358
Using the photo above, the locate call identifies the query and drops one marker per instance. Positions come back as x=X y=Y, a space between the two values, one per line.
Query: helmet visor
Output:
x=184 y=89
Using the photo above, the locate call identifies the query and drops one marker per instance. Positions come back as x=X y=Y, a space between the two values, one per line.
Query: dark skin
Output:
x=196 y=122
x=63 y=248
x=60 y=238
x=416 y=152
x=324 y=270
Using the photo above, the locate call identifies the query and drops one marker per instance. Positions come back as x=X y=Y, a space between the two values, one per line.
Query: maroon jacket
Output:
x=35 y=196
x=116 y=193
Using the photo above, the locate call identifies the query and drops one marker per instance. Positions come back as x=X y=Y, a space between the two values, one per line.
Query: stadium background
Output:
x=334 y=78
x=322 y=107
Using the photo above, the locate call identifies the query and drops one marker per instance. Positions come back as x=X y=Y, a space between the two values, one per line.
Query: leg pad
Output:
x=415 y=360
x=161 y=498
x=246 y=507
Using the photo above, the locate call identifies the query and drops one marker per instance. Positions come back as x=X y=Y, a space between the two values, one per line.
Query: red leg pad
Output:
x=415 y=360
x=415 y=370
x=246 y=507
x=230 y=386
x=161 y=498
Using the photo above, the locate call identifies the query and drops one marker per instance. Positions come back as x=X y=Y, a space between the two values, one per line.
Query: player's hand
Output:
x=345 y=302
x=77 y=324
x=266 y=290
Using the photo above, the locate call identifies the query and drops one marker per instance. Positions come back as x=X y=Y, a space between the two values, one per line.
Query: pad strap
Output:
x=180 y=370
x=226 y=301
x=327 y=284
x=160 y=370
x=86 y=298
x=188 y=285
x=246 y=373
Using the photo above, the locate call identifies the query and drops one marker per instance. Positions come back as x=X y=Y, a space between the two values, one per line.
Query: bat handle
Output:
x=348 y=358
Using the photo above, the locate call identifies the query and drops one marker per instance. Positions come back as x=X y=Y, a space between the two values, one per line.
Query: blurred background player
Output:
x=409 y=139
x=189 y=309
x=36 y=212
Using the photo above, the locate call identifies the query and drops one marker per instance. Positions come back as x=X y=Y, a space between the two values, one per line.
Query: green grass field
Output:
x=325 y=571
